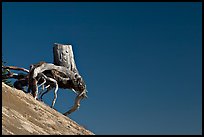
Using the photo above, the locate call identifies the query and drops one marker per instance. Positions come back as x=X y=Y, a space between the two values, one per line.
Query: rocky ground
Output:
x=22 y=115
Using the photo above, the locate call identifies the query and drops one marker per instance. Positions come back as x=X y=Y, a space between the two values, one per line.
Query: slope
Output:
x=23 y=115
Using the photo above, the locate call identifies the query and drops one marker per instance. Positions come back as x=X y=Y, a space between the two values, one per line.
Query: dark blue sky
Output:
x=141 y=61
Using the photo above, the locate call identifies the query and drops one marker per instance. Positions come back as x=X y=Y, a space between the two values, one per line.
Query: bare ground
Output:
x=23 y=115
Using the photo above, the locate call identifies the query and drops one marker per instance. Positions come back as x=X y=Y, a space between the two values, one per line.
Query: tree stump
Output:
x=63 y=56
x=62 y=74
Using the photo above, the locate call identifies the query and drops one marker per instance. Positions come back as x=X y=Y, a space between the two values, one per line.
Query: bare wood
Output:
x=62 y=73
x=49 y=66
x=65 y=81
x=56 y=88
x=15 y=68
x=14 y=75
x=76 y=105
x=63 y=56
x=71 y=80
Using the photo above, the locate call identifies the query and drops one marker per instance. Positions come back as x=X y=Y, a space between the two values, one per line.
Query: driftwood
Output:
x=62 y=74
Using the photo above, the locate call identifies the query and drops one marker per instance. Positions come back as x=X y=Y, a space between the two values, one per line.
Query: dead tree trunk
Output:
x=63 y=74
x=63 y=56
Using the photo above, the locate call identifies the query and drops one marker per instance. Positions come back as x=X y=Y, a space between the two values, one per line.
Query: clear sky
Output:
x=141 y=61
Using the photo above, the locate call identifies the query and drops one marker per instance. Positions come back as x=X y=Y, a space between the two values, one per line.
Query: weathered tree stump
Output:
x=62 y=74
x=63 y=56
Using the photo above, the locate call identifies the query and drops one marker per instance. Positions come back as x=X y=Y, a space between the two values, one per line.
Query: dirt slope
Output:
x=22 y=115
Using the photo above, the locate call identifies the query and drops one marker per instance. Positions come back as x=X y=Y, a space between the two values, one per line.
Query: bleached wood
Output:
x=15 y=68
x=63 y=56
x=50 y=66
x=56 y=88
x=62 y=73
x=75 y=106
